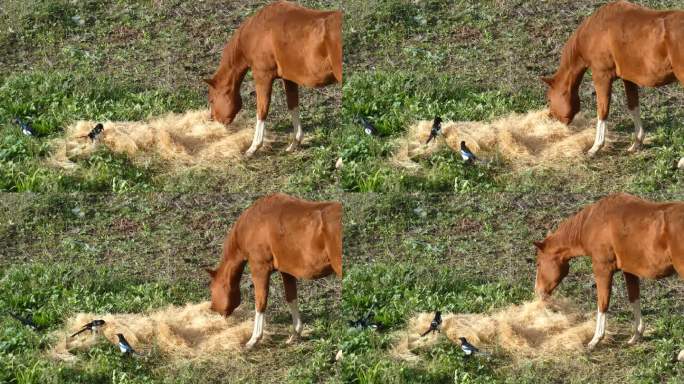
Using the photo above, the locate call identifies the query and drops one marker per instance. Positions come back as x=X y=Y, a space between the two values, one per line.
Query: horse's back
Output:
x=635 y=42
x=297 y=236
x=640 y=233
x=296 y=43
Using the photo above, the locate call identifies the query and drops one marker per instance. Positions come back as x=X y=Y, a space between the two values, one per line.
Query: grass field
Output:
x=403 y=254
x=116 y=235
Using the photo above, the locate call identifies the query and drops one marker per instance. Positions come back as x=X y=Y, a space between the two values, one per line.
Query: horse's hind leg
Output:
x=603 y=83
x=632 y=92
x=290 y=284
x=632 y=282
x=292 y=94
x=260 y=279
x=264 y=87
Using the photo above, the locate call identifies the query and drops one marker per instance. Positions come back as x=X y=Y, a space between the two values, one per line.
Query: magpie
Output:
x=93 y=326
x=364 y=322
x=436 y=129
x=94 y=133
x=124 y=347
x=368 y=127
x=467 y=155
x=26 y=128
x=434 y=324
x=27 y=321
x=468 y=348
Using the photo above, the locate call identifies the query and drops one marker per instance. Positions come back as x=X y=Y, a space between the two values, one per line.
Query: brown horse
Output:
x=283 y=40
x=300 y=239
x=619 y=232
x=643 y=47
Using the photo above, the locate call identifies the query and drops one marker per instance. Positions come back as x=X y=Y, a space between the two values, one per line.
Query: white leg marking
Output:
x=680 y=357
x=258 y=330
x=680 y=165
x=258 y=138
x=296 y=320
x=600 y=137
x=638 y=323
x=297 y=129
x=638 y=130
x=600 y=329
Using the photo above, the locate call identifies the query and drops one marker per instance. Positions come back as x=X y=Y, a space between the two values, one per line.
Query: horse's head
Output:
x=224 y=300
x=552 y=266
x=564 y=101
x=225 y=101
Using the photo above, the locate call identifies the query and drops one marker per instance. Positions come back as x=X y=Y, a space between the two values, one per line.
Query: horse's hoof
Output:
x=250 y=152
x=592 y=344
x=633 y=340
x=291 y=147
x=592 y=153
x=634 y=148
x=250 y=344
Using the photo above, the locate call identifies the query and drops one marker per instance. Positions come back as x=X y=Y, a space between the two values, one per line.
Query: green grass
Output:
x=105 y=253
x=61 y=254
x=404 y=61
x=116 y=235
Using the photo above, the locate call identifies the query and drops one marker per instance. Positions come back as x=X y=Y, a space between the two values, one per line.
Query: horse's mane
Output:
x=570 y=230
x=230 y=251
x=231 y=51
x=569 y=54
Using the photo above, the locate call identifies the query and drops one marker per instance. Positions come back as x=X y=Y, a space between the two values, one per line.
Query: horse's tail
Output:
x=332 y=219
x=333 y=42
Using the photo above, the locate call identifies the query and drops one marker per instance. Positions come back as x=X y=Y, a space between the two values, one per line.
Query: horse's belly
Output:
x=661 y=272
x=308 y=273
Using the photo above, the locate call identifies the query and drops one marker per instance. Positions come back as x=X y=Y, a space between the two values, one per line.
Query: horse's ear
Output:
x=539 y=245
x=210 y=82
x=547 y=80
x=211 y=272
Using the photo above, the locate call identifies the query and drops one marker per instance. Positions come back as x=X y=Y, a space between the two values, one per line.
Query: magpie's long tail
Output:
x=79 y=332
x=426 y=332
x=429 y=139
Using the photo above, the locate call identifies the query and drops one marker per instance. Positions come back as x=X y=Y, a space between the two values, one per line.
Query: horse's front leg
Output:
x=290 y=284
x=604 y=283
x=264 y=87
x=632 y=283
x=260 y=278
x=292 y=94
x=603 y=83
x=632 y=92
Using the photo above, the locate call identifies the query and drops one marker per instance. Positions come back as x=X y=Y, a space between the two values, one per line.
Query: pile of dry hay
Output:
x=523 y=140
x=182 y=139
x=190 y=332
x=530 y=330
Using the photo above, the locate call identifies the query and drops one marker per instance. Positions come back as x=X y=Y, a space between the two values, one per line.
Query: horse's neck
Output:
x=572 y=67
x=230 y=268
x=233 y=66
x=569 y=234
